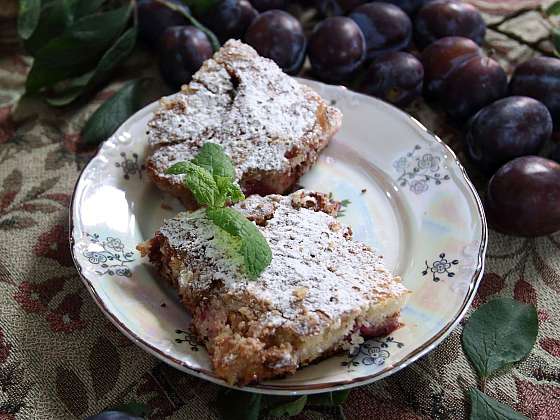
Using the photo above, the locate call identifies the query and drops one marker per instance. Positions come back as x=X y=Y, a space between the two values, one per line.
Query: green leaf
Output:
x=238 y=405
x=217 y=164
x=485 y=408
x=231 y=221
x=254 y=247
x=553 y=9
x=114 y=56
x=69 y=90
x=111 y=114
x=211 y=157
x=178 y=8
x=329 y=398
x=210 y=178
x=203 y=186
x=179 y=168
x=501 y=332
x=556 y=40
x=81 y=8
x=291 y=408
x=339 y=397
x=256 y=253
x=201 y=7
x=200 y=182
x=229 y=189
x=77 y=49
x=52 y=22
x=29 y=12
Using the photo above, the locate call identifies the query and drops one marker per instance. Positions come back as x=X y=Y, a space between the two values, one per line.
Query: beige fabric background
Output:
x=61 y=359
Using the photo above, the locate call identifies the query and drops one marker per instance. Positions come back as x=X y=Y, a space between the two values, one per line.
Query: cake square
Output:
x=271 y=126
x=321 y=292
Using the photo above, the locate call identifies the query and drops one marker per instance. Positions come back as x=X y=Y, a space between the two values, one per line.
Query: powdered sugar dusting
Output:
x=239 y=100
x=317 y=270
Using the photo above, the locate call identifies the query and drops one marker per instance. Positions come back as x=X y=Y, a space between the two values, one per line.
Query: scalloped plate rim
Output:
x=271 y=389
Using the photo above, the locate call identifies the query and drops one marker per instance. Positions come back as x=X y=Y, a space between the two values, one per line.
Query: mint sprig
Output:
x=256 y=252
x=201 y=183
x=212 y=158
x=210 y=176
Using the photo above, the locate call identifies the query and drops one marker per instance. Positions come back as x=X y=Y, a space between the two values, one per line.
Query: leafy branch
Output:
x=76 y=46
x=75 y=52
x=210 y=177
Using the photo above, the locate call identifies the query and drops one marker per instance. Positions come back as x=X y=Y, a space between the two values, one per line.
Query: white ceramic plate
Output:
x=409 y=197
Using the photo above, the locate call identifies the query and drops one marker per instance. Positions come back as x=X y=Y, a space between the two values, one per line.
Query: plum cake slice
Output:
x=320 y=294
x=271 y=126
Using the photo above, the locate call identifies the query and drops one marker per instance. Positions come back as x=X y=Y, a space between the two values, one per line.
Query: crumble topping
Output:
x=317 y=273
x=241 y=101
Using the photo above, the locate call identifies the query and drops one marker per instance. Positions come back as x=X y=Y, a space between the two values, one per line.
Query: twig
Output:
x=213 y=40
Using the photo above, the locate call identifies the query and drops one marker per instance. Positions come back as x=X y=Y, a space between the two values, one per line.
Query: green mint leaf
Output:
x=114 y=56
x=28 y=19
x=485 y=408
x=179 y=168
x=235 y=193
x=256 y=253
x=210 y=177
x=291 y=408
x=77 y=49
x=343 y=206
x=211 y=157
x=238 y=405
x=231 y=221
x=254 y=247
x=178 y=8
x=203 y=187
x=229 y=189
x=200 y=182
x=500 y=332
x=111 y=114
x=553 y=9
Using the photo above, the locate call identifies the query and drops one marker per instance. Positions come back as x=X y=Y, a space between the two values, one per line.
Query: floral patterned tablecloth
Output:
x=61 y=358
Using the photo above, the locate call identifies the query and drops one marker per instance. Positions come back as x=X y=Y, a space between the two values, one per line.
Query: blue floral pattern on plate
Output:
x=439 y=267
x=417 y=170
x=371 y=352
x=113 y=258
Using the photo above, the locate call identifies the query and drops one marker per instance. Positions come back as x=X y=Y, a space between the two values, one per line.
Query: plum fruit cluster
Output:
x=399 y=50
